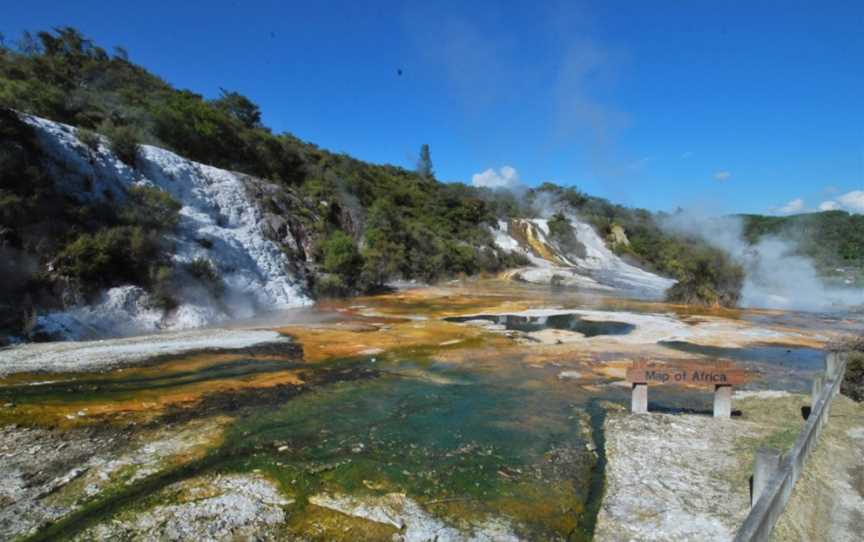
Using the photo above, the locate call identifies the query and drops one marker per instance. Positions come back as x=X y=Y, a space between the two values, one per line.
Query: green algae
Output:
x=467 y=441
x=115 y=386
x=454 y=437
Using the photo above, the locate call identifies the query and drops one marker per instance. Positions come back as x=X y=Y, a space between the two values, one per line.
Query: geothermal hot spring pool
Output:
x=569 y=322
x=469 y=412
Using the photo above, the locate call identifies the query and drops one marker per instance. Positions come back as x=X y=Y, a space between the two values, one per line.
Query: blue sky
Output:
x=720 y=106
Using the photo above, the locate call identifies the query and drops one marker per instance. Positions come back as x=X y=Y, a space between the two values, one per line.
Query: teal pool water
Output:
x=491 y=442
x=567 y=322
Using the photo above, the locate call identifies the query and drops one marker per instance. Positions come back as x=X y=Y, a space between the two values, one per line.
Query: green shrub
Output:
x=329 y=285
x=89 y=138
x=382 y=261
x=163 y=287
x=460 y=258
x=109 y=257
x=561 y=231
x=203 y=271
x=853 y=380
x=708 y=278
x=123 y=142
x=341 y=258
x=151 y=208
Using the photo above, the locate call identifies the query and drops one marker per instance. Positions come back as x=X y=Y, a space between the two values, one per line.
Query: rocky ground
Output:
x=411 y=521
x=676 y=477
x=72 y=356
x=209 y=508
x=47 y=474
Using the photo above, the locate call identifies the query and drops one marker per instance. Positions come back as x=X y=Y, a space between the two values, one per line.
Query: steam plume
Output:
x=776 y=276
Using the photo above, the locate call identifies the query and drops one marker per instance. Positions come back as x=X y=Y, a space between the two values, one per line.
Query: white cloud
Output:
x=722 y=175
x=850 y=201
x=507 y=177
x=853 y=201
x=794 y=206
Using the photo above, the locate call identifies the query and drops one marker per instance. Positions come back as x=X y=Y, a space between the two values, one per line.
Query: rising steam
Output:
x=776 y=276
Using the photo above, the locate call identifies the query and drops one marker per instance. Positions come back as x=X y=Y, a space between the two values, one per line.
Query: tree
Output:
x=385 y=244
x=123 y=140
x=342 y=258
x=240 y=107
x=424 y=165
x=28 y=45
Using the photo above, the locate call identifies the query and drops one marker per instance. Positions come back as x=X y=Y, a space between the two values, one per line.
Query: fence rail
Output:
x=773 y=482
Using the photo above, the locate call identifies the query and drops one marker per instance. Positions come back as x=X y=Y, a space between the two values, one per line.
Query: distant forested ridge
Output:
x=365 y=224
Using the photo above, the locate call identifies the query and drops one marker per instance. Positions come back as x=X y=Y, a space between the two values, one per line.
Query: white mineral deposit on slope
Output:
x=599 y=268
x=98 y=355
x=215 y=207
x=124 y=311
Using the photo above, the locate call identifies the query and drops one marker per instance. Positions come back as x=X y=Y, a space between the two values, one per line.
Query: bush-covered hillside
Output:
x=416 y=227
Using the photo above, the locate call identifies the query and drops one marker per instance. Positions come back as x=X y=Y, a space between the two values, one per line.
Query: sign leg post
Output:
x=723 y=401
x=639 y=402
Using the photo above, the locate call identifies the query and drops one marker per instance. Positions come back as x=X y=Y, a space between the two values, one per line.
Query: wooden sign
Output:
x=692 y=374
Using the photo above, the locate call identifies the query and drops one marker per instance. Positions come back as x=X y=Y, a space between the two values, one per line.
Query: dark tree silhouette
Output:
x=424 y=164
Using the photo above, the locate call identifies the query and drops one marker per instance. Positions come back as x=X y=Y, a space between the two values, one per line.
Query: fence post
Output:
x=839 y=359
x=816 y=390
x=832 y=365
x=765 y=466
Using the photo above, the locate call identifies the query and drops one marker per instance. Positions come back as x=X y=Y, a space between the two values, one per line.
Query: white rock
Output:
x=89 y=355
x=417 y=524
x=598 y=268
x=215 y=206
